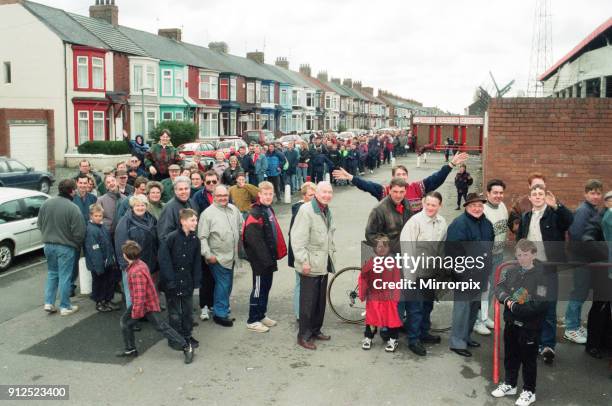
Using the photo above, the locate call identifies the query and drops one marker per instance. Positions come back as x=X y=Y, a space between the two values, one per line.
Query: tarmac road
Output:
x=236 y=366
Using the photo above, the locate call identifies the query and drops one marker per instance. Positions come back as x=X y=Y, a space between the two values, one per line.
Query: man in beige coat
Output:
x=312 y=240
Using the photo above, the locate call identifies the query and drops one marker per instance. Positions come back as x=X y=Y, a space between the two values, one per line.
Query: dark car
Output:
x=15 y=174
x=260 y=137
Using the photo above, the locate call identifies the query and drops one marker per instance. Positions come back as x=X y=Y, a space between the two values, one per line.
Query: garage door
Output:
x=29 y=145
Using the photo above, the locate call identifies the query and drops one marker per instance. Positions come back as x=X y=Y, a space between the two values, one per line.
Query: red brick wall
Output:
x=568 y=140
x=121 y=77
x=241 y=89
x=7 y=115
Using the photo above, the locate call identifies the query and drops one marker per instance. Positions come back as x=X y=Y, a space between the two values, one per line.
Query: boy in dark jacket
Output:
x=463 y=181
x=145 y=303
x=264 y=245
x=180 y=266
x=523 y=292
x=100 y=260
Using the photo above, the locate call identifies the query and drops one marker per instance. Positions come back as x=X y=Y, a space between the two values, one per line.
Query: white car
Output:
x=19 y=233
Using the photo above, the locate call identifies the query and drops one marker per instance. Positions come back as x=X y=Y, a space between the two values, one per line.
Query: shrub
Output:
x=182 y=131
x=104 y=147
x=341 y=128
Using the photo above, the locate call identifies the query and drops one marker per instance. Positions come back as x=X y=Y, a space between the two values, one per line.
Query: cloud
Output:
x=436 y=52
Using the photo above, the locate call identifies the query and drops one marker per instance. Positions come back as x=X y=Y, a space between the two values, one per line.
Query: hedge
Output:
x=104 y=147
x=181 y=131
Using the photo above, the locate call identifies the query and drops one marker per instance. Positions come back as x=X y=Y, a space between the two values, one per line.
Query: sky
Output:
x=434 y=51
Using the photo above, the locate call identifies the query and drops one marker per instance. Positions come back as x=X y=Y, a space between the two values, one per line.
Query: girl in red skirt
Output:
x=381 y=304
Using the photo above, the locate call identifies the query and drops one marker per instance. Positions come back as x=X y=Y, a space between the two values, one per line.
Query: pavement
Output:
x=236 y=366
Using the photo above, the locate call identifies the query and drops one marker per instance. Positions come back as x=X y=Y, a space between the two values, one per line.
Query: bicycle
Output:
x=343 y=299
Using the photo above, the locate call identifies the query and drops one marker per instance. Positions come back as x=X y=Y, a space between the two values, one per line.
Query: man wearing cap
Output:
x=470 y=235
x=174 y=170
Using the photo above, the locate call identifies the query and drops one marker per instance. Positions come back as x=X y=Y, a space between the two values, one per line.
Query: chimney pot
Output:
x=282 y=62
x=256 y=56
x=172 y=33
x=108 y=11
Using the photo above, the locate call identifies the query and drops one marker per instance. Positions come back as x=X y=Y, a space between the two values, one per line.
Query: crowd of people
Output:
x=157 y=225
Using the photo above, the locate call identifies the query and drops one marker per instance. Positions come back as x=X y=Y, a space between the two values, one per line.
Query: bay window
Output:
x=233 y=89
x=265 y=94
x=328 y=101
x=209 y=86
x=209 y=125
x=295 y=99
x=224 y=89
x=178 y=116
x=224 y=124
x=284 y=99
x=309 y=123
x=166 y=82
x=258 y=92
x=137 y=78
x=178 y=82
x=82 y=72
x=151 y=120
x=250 y=96
x=97 y=73
x=83 y=127
x=98 y=126
x=167 y=115
x=309 y=99
x=232 y=123
x=151 y=77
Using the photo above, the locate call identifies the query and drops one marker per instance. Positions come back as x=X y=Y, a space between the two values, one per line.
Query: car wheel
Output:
x=6 y=256
x=44 y=185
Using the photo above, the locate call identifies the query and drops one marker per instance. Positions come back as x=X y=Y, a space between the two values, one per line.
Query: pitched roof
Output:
x=318 y=84
x=338 y=88
x=577 y=49
x=68 y=29
x=109 y=34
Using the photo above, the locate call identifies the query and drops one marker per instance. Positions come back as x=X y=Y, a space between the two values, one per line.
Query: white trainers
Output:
x=481 y=329
x=526 y=398
x=49 y=308
x=205 y=315
x=258 y=327
x=489 y=324
x=67 y=312
x=391 y=345
x=366 y=343
x=503 y=390
x=583 y=331
x=575 y=336
x=268 y=322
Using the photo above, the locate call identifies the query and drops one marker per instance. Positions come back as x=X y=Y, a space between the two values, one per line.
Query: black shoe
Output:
x=548 y=354
x=188 y=353
x=418 y=349
x=595 y=353
x=223 y=321
x=113 y=306
x=194 y=343
x=127 y=353
x=431 y=339
x=473 y=344
x=103 y=308
x=463 y=353
x=195 y=324
x=458 y=208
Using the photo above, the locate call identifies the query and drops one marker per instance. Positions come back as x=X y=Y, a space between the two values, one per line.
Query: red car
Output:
x=197 y=148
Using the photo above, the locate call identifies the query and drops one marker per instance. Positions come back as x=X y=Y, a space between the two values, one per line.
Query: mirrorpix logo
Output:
x=412 y=264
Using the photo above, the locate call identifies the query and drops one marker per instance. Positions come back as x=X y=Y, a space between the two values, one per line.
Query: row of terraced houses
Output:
x=89 y=78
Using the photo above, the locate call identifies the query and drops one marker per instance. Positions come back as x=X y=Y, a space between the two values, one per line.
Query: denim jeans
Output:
x=418 y=320
x=60 y=263
x=302 y=173
x=127 y=324
x=486 y=296
x=582 y=284
x=548 y=338
x=126 y=290
x=224 y=279
x=293 y=182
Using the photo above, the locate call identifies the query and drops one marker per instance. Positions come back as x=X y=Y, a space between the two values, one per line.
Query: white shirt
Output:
x=535 y=233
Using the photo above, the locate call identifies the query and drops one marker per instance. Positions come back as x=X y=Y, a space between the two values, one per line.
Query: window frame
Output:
x=166 y=88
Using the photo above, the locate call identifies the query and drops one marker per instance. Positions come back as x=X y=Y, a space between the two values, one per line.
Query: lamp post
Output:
x=142 y=90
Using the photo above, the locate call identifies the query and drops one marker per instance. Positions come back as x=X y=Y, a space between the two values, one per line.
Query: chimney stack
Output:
x=305 y=70
x=282 y=62
x=368 y=90
x=322 y=76
x=172 y=33
x=105 y=10
x=256 y=56
x=335 y=80
x=347 y=82
x=220 y=47
x=357 y=85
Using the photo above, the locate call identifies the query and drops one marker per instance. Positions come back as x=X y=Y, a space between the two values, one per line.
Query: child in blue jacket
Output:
x=100 y=260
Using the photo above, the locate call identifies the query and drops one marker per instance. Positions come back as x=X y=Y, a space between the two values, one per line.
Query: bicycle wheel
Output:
x=343 y=295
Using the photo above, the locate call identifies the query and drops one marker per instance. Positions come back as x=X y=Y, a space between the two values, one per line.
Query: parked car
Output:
x=19 y=232
x=196 y=148
x=286 y=139
x=260 y=137
x=346 y=135
x=230 y=146
x=15 y=174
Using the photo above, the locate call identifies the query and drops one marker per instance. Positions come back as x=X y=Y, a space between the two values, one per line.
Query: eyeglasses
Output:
x=211 y=182
x=221 y=195
x=123 y=177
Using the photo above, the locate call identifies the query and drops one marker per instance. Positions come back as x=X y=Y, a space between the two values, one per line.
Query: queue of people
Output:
x=189 y=231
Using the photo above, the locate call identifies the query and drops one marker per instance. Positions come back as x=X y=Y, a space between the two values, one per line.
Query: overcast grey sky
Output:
x=435 y=51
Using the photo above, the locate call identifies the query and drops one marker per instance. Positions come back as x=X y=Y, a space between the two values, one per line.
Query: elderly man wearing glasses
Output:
x=204 y=198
